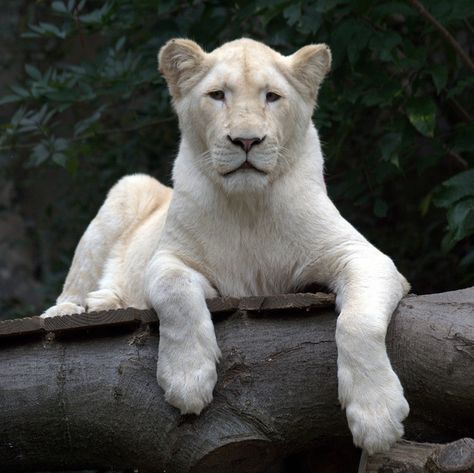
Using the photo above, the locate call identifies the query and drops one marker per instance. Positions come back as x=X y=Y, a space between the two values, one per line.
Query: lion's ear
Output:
x=181 y=63
x=310 y=65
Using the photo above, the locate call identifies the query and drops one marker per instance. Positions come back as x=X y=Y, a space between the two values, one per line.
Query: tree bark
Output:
x=89 y=399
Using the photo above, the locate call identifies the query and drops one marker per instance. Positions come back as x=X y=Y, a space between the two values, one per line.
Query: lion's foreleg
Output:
x=368 y=290
x=188 y=349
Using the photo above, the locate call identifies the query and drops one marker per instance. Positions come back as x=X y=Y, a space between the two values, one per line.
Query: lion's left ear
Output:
x=181 y=63
x=310 y=65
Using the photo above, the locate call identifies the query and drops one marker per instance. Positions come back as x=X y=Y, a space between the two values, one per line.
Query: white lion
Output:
x=249 y=215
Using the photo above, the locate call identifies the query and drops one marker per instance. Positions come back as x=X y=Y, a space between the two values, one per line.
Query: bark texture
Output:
x=89 y=398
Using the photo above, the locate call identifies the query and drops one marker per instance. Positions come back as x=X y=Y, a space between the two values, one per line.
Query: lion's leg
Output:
x=188 y=349
x=85 y=271
x=128 y=202
x=111 y=290
x=368 y=291
x=368 y=288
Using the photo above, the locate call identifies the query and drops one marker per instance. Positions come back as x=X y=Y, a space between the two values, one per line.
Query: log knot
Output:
x=455 y=457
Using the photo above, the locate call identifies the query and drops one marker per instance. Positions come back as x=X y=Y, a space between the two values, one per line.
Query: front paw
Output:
x=375 y=412
x=65 y=308
x=188 y=384
x=103 y=299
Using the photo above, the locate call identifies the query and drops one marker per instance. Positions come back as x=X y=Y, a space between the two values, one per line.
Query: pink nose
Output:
x=245 y=143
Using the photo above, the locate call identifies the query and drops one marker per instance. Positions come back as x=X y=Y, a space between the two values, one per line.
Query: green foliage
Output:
x=395 y=115
x=457 y=196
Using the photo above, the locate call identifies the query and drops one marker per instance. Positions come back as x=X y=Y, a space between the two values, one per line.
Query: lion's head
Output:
x=244 y=109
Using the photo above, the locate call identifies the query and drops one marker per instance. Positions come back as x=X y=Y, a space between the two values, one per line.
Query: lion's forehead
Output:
x=245 y=69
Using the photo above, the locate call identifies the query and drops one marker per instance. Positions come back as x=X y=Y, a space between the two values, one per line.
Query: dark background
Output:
x=82 y=104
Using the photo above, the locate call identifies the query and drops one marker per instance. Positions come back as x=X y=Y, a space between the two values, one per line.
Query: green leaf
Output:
x=448 y=242
x=33 y=72
x=59 y=7
x=48 y=30
x=21 y=91
x=292 y=13
x=9 y=99
x=425 y=204
x=40 y=153
x=97 y=16
x=352 y=36
x=461 y=219
x=454 y=189
x=120 y=42
x=460 y=87
x=389 y=145
x=60 y=158
x=439 y=74
x=421 y=112
x=18 y=116
x=393 y=8
x=60 y=144
x=85 y=124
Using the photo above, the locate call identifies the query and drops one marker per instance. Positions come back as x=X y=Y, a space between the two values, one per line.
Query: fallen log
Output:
x=77 y=394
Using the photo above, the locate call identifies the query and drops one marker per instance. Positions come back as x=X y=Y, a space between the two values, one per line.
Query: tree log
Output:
x=78 y=399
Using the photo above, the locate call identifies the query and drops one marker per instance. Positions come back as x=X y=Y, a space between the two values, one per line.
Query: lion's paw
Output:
x=375 y=418
x=189 y=391
x=376 y=429
x=64 y=308
x=103 y=299
x=188 y=376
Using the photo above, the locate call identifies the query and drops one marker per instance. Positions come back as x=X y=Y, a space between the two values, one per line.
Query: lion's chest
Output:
x=254 y=260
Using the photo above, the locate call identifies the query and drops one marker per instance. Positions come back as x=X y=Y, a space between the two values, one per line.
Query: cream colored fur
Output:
x=242 y=232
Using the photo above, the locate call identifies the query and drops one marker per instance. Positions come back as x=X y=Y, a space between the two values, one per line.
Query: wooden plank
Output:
x=269 y=303
x=146 y=316
x=24 y=326
x=286 y=302
x=217 y=306
x=91 y=320
x=220 y=305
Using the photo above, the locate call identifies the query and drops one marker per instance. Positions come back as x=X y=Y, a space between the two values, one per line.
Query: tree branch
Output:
x=445 y=33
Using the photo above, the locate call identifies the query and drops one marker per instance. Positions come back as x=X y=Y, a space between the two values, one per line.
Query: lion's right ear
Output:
x=310 y=64
x=181 y=61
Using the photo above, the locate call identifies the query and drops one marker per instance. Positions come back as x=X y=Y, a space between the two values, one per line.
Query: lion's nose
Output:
x=245 y=143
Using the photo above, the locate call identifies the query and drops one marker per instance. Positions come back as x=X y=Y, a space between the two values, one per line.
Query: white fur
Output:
x=243 y=234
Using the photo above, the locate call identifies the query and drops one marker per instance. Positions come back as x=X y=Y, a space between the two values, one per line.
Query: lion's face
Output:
x=245 y=107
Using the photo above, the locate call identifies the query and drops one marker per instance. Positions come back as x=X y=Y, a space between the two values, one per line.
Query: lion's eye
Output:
x=217 y=95
x=272 y=97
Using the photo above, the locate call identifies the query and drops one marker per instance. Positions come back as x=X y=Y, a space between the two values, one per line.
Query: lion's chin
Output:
x=245 y=180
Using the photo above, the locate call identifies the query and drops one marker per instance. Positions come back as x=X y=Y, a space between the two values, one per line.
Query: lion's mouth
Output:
x=245 y=166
